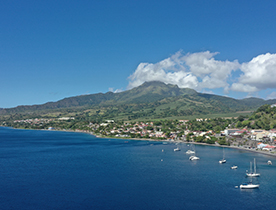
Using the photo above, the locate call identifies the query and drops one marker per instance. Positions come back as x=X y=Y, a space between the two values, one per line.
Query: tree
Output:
x=212 y=140
x=222 y=141
x=239 y=124
x=200 y=139
x=241 y=118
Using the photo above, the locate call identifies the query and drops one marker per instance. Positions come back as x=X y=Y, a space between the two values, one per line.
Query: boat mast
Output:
x=254 y=166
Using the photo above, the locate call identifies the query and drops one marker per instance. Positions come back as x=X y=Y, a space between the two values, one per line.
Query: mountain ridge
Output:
x=154 y=95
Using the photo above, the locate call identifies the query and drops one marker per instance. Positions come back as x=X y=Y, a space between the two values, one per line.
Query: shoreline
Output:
x=198 y=143
x=160 y=140
x=205 y=144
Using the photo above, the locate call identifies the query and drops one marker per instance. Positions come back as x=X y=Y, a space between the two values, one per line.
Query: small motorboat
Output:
x=234 y=167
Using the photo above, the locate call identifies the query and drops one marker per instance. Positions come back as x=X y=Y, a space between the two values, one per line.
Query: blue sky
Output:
x=50 y=50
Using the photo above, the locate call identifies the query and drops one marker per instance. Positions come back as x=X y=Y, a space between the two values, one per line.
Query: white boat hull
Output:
x=252 y=174
x=222 y=161
x=190 y=152
x=249 y=186
x=194 y=158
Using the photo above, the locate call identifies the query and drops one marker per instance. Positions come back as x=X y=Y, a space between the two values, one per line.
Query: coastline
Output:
x=179 y=141
x=163 y=140
x=213 y=145
x=240 y=148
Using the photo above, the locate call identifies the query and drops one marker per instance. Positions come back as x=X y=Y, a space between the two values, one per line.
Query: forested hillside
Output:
x=151 y=100
x=263 y=118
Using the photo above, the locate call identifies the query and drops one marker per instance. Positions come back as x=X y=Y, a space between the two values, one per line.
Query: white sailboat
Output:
x=249 y=185
x=253 y=174
x=223 y=158
x=193 y=157
x=176 y=149
x=190 y=151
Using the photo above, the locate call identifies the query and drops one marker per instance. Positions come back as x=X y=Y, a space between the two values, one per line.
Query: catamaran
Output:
x=193 y=157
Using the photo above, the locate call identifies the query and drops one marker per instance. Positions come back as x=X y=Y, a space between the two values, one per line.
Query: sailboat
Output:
x=193 y=157
x=249 y=185
x=177 y=148
x=253 y=174
x=190 y=151
x=223 y=158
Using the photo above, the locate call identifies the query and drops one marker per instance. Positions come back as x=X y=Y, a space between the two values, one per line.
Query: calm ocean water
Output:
x=62 y=170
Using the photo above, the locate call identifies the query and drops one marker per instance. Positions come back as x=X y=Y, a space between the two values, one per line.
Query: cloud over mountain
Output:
x=202 y=71
x=258 y=74
x=196 y=70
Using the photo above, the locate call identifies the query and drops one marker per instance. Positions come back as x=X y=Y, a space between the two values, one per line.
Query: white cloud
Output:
x=202 y=71
x=196 y=71
x=243 y=88
x=115 y=91
x=258 y=74
x=207 y=91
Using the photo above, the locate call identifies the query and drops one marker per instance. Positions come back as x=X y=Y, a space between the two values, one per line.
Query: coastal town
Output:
x=246 y=138
x=168 y=130
x=256 y=132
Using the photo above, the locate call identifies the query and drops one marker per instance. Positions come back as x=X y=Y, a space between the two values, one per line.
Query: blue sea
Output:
x=64 y=170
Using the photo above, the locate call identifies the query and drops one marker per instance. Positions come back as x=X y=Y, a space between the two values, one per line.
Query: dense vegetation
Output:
x=263 y=118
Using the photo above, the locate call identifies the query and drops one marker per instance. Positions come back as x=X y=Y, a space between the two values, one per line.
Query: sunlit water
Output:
x=63 y=170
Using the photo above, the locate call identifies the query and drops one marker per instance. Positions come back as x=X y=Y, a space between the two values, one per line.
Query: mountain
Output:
x=146 y=93
x=152 y=99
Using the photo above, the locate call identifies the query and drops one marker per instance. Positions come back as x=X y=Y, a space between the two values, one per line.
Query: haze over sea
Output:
x=63 y=170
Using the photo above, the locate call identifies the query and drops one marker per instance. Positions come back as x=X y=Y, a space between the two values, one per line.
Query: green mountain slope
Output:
x=151 y=99
x=263 y=118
